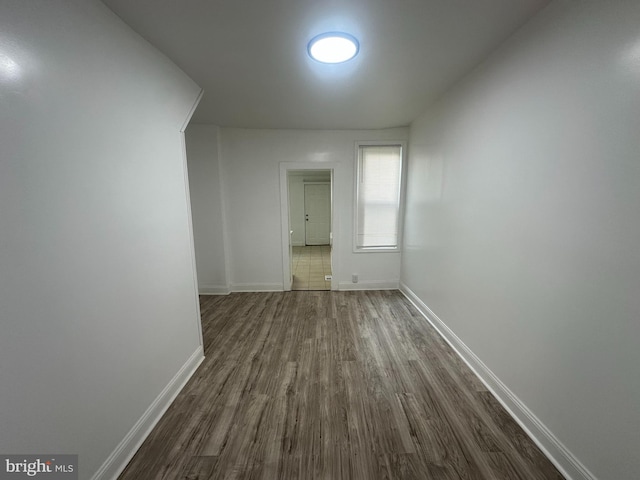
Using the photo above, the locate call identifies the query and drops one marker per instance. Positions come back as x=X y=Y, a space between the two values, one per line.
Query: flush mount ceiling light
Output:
x=333 y=47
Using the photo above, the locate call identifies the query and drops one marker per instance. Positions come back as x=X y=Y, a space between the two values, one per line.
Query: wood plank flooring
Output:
x=332 y=385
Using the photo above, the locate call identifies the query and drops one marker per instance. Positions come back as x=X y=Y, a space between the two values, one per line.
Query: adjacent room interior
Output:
x=164 y=167
x=309 y=200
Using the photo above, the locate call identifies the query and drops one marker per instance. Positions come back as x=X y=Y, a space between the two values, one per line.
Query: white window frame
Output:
x=403 y=149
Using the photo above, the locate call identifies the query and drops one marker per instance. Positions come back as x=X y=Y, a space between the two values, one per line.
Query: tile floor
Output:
x=310 y=265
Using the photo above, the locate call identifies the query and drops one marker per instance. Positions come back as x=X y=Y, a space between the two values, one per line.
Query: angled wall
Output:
x=522 y=229
x=207 y=208
x=98 y=307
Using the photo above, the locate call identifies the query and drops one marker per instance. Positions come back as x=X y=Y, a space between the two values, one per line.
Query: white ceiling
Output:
x=250 y=55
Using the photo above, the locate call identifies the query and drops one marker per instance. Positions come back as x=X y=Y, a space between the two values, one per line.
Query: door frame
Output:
x=285 y=167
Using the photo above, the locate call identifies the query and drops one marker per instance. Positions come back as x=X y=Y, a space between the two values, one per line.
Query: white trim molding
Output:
x=373 y=285
x=213 y=290
x=126 y=449
x=192 y=245
x=256 y=287
x=558 y=454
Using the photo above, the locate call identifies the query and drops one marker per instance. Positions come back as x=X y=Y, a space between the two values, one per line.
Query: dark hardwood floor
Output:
x=332 y=385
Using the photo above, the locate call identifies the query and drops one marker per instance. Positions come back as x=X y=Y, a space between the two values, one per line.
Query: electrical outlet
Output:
x=354 y=278
x=328 y=277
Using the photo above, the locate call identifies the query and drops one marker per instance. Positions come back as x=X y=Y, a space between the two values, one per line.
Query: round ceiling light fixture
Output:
x=333 y=47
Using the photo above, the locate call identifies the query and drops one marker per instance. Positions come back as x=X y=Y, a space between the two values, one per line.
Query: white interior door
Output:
x=317 y=210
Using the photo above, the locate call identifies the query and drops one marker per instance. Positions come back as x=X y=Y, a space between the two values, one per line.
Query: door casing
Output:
x=285 y=167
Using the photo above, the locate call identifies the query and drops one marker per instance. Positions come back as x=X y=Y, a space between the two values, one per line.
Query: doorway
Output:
x=309 y=243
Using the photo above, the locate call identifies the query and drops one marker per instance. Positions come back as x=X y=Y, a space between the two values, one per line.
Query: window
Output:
x=378 y=188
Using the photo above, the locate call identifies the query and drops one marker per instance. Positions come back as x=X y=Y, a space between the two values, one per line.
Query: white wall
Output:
x=98 y=305
x=522 y=226
x=206 y=208
x=250 y=175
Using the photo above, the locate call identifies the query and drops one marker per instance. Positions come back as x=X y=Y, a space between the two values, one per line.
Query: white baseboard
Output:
x=375 y=285
x=257 y=287
x=213 y=290
x=561 y=457
x=126 y=449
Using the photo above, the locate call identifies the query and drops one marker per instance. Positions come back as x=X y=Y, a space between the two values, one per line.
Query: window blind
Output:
x=378 y=196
